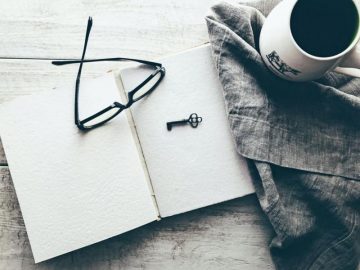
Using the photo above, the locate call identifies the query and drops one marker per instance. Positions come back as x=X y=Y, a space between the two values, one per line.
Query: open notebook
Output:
x=77 y=188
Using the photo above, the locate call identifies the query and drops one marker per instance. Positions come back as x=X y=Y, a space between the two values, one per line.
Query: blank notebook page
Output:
x=74 y=188
x=189 y=168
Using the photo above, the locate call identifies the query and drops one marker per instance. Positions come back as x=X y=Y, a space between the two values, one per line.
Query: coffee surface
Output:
x=324 y=28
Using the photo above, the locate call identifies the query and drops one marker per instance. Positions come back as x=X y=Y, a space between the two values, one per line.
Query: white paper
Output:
x=189 y=168
x=74 y=188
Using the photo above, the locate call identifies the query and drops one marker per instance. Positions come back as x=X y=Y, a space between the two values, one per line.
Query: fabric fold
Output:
x=302 y=141
x=312 y=126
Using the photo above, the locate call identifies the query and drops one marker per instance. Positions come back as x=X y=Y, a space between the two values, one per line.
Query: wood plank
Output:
x=24 y=77
x=141 y=28
x=231 y=235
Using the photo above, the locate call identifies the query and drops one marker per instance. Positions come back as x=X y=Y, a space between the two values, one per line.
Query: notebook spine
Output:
x=132 y=125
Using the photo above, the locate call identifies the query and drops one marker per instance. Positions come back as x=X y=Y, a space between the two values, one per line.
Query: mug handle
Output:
x=350 y=64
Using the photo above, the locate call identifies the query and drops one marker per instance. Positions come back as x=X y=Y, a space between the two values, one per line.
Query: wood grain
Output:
x=231 y=235
x=56 y=29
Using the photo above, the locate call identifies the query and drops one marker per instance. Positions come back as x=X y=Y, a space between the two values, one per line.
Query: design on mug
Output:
x=280 y=65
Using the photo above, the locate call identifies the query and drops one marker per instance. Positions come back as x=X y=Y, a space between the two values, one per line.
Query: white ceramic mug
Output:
x=288 y=60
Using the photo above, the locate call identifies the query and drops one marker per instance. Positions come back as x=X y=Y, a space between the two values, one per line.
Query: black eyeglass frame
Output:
x=159 y=69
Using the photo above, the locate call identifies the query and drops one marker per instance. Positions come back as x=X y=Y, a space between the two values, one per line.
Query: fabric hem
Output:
x=239 y=126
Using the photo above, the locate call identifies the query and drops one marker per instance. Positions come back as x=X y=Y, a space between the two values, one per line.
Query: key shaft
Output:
x=169 y=125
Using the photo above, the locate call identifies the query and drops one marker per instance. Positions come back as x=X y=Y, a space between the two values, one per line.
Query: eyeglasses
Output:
x=143 y=89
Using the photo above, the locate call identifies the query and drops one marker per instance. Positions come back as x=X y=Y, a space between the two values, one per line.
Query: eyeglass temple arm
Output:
x=67 y=62
x=77 y=84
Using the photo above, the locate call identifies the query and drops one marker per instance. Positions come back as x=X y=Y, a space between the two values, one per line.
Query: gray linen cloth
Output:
x=302 y=141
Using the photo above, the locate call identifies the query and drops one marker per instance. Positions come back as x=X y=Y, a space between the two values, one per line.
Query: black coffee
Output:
x=324 y=27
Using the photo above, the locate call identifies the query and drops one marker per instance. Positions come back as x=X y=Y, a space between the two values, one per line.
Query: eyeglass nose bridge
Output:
x=119 y=105
x=123 y=106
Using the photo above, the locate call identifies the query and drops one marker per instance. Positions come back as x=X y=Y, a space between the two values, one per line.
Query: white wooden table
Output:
x=231 y=235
